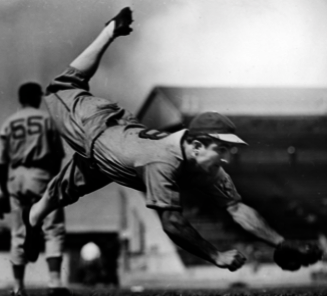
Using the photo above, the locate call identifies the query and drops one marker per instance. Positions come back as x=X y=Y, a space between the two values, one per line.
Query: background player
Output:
x=31 y=152
x=112 y=146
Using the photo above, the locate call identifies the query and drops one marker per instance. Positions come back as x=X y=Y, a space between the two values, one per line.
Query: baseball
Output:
x=90 y=252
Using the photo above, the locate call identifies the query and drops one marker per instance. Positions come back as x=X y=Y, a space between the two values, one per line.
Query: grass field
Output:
x=298 y=291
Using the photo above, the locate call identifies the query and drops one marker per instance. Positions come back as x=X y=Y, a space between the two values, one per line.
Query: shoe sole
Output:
x=123 y=20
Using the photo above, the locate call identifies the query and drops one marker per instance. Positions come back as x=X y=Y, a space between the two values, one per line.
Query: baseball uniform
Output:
x=31 y=147
x=112 y=146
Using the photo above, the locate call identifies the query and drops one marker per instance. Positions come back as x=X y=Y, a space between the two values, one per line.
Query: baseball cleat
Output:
x=32 y=239
x=122 y=20
x=59 y=292
x=19 y=293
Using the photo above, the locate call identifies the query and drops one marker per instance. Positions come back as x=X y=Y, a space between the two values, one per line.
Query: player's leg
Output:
x=54 y=235
x=19 y=274
x=16 y=250
x=71 y=107
x=76 y=179
x=79 y=115
x=54 y=265
x=88 y=61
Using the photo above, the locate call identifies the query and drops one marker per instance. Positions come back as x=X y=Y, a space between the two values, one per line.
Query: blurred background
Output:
x=263 y=63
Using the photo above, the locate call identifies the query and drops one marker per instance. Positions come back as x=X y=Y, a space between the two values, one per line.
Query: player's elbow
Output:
x=239 y=212
x=170 y=222
x=234 y=208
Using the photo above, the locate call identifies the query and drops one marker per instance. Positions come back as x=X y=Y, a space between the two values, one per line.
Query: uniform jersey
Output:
x=153 y=162
x=30 y=139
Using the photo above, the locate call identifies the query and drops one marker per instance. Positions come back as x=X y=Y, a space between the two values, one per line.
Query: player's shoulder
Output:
x=170 y=146
x=16 y=115
x=35 y=112
x=157 y=147
x=27 y=112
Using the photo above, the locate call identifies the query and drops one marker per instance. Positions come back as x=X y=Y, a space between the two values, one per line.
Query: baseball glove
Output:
x=291 y=255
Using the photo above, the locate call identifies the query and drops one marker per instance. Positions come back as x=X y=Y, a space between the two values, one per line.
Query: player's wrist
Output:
x=220 y=260
x=216 y=259
x=278 y=241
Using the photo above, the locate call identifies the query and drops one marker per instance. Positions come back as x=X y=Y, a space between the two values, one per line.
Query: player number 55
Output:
x=32 y=126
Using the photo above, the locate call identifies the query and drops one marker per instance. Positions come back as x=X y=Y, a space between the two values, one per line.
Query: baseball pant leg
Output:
x=18 y=233
x=54 y=233
x=75 y=180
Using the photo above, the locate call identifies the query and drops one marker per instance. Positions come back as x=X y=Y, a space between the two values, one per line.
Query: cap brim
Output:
x=230 y=138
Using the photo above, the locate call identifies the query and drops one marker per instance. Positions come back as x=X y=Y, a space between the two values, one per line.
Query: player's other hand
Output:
x=232 y=260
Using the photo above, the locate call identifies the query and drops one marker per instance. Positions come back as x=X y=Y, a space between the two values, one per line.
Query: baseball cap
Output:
x=215 y=125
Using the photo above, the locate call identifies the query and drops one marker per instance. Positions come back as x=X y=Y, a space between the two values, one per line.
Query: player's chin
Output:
x=212 y=168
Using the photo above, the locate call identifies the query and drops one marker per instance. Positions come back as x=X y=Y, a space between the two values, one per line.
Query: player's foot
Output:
x=59 y=292
x=32 y=239
x=122 y=20
x=18 y=293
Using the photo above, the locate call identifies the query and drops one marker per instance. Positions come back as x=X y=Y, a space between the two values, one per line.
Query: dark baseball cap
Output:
x=215 y=125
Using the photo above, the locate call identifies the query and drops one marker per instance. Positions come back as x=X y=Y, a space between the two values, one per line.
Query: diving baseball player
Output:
x=31 y=152
x=111 y=146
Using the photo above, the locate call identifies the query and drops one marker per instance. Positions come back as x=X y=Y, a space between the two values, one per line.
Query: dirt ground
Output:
x=298 y=291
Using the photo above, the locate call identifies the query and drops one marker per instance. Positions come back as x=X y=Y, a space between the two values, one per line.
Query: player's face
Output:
x=210 y=158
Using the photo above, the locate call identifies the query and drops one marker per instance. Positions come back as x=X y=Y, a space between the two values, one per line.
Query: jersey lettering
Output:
x=19 y=129
x=34 y=125
x=152 y=134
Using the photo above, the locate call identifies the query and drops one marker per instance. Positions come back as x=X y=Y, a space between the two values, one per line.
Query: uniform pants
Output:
x=26 y=186
x=80 y=118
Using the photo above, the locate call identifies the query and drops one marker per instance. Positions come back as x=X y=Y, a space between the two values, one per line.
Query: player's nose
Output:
x=226 y=157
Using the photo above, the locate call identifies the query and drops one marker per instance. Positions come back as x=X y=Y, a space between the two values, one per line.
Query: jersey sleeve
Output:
x=221 y=189
x=3 y=145
x=162 y=192
x=225 y=184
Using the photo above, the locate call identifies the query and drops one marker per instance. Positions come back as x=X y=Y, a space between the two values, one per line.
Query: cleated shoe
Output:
x=59 y=292
x=32 y=239
x=19 y=293
x=122 y=20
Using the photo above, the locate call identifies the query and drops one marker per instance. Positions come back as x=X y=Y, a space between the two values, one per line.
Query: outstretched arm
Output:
x=88 y=61
x=181 y=232
x=251 y=221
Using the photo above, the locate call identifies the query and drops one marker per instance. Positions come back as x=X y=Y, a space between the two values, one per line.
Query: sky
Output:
x=216 y=43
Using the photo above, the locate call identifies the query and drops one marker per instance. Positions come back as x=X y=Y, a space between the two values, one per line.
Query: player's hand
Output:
x=232 y=260
x=291 y=255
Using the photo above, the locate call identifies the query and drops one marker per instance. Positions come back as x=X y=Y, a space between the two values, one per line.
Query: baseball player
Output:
x=111 y=146
x=31 y=152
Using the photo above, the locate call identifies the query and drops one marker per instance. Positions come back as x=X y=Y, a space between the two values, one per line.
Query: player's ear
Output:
x=196 y=146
